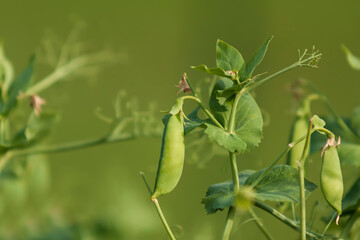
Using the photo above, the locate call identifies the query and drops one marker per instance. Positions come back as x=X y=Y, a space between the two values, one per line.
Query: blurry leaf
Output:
x=318 y=122
x=355 y=121
x=221 y=195
x=257 y=58
x=6 y=71
x=349 y=154
x=280 y=184
x=353 y=61
x=248 y=127
x=36 y=128
x=228 y=58
x=352 y=198
x=214 y=71
x=220 y=111
x=20 y=83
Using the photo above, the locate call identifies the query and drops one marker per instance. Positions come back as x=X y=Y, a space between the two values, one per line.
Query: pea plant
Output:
x=234 y=122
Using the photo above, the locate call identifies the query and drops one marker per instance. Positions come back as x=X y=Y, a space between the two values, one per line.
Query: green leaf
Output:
x=248 y=126
x=20 y=83
x=194 y=122
x=351 y=200
x=225 y=95
x=214 y=71
x=280 y=184
x=257 y=57
x=318 y=122
x=349 y=154
x=220 y=111
x=355 y=121
x=36 y=129
x=353 y=60
x=221 y=195
x=228 y=58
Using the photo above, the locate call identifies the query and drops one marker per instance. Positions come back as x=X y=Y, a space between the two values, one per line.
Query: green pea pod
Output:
x=171 y=156
x=299 y=129
x=331 y=177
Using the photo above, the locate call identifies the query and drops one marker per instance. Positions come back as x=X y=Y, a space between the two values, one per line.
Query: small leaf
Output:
x=214 y=71
x=228 y=58
x=280 y=184
x=353 y=60
x=225 y=95
x=318 y=122
x=193 y=122
x=349 y=154
x=351 y=200
x=257 y=57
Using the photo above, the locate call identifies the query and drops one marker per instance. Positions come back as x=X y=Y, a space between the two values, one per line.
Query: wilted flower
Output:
x=183 y=85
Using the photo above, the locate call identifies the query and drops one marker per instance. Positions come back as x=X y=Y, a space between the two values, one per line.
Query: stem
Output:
x=286 y=150
x=288 y=221
x=229 y=223
x=233 y=112
x=288 y=68
x=207 y=112
x=302 y=182
x=260 y=224
x=158 y=208
x=234 y=171
x=329 y=223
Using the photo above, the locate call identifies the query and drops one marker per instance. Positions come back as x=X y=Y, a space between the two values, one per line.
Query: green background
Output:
x=156 y=42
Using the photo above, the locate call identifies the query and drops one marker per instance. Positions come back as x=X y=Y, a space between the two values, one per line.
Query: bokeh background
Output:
x=155 y=43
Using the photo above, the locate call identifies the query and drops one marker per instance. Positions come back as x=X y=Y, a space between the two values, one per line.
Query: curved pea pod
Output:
x=331 y=178
x=171 y=156
x=299 y=129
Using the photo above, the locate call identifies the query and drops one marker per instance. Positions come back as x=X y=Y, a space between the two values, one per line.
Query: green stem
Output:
x=234 y=172
x=232 y=118
x=207 y=112
x=286 y=150
x=302 y=182
x=300 y=63
x=229 y=223
x=288 y=221
x=158 y=208
x=329 y=223
x=260 y=224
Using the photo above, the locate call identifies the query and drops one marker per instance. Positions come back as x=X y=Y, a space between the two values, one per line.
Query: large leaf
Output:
x=352 y=198
x=349 y=154
x=280 y=184
x=353 y=60
x=228 y=58
x=257 y=57
x=248 y=127
x=221 y=195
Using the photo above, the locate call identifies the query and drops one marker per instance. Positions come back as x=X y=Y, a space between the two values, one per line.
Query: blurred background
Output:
x=97 y=192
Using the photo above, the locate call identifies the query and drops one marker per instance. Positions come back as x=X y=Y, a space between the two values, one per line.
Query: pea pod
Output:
x=300 y=129
x=331 y=177
x=171 y=156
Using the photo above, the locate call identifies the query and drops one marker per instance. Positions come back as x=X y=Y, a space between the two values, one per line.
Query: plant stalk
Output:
x=302 y=182
x=260 y=224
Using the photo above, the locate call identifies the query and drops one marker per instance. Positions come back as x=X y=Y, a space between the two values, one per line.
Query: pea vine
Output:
x=234 y=122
